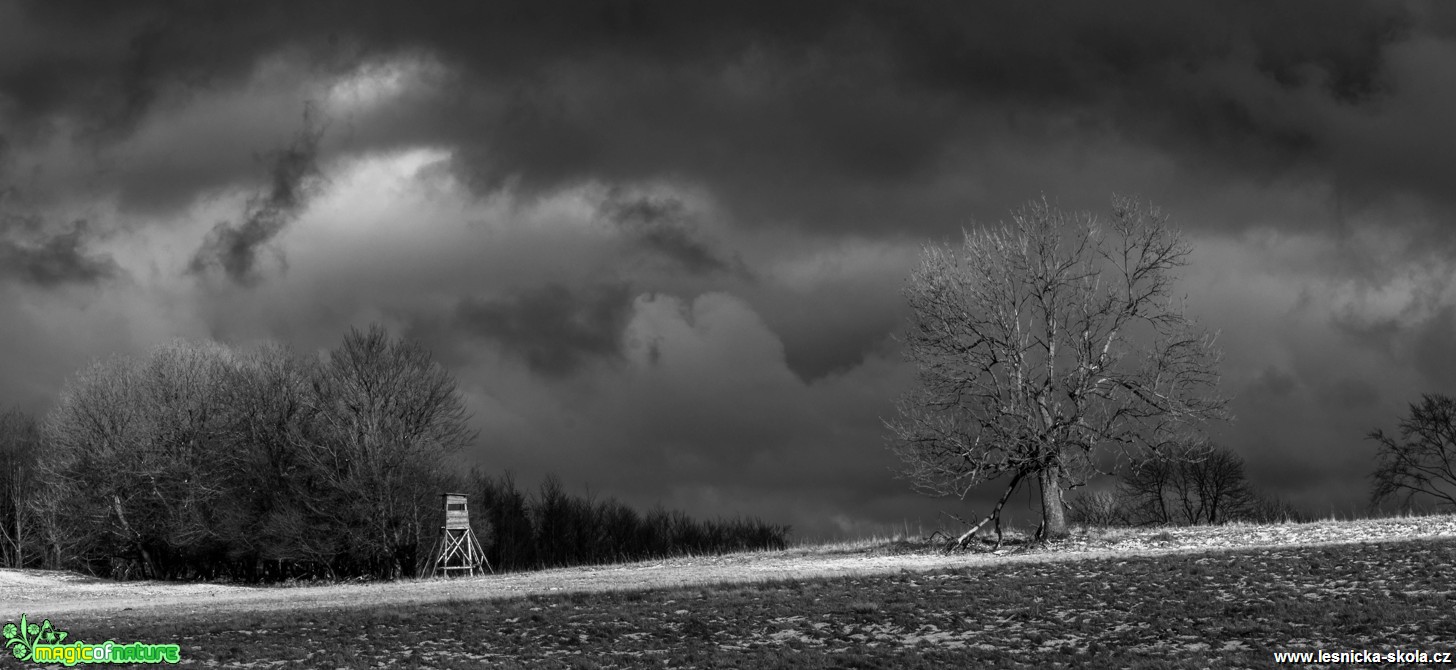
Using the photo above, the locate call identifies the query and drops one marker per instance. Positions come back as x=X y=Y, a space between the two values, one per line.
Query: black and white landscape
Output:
x=667 y=275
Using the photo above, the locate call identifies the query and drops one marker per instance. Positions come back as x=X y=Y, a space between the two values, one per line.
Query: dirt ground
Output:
x=40 y=593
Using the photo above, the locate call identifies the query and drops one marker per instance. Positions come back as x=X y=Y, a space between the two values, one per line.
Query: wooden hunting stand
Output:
x=458 y=548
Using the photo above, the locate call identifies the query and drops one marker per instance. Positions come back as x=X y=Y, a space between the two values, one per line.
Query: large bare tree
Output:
x=1043 y=342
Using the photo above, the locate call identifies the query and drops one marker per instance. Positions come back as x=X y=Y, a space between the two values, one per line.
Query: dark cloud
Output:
x=32 y=255
x=828 y=350
x=819 y=113
x=842 y=126
x=34 y=252
x=294 y=178
x=662 y=225
x=102 y=61
x=1101 y=53
x=105 y=65
x=835 y=328
x=817 y=133
x=556 y=330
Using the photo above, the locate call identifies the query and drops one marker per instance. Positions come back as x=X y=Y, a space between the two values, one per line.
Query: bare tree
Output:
x=1224 y=493
x=20 y=448
x=134 y=444
x=1422 y=462
x=389 y=415
x=1187 y=484
x=266 y=521
x=95 y=462
x=1039 y=344
x=1144 y=490
x=1098 y=508
x=182 y=388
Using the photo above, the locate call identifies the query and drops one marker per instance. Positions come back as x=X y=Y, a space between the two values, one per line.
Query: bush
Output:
x=1097 y=508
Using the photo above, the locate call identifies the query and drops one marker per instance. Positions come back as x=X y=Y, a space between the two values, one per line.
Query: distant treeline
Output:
x=554 y=529
x=200 y=461
x=1182 y=486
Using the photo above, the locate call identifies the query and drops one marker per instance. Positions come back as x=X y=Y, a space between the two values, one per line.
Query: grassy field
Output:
x=1221 y=608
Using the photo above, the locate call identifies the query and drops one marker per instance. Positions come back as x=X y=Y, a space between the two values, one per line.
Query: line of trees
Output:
x=1415 y=467
x=200 y=461
x=1186 y=484
x=552 y=528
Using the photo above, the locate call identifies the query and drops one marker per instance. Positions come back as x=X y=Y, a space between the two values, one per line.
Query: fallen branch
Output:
x=994 y=515
x=938 y=533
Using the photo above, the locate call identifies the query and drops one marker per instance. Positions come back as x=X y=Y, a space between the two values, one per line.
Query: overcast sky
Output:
x=661 y=245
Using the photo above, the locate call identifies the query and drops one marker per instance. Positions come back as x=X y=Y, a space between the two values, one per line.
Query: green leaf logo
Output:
x=21 y=639
x=18 y=638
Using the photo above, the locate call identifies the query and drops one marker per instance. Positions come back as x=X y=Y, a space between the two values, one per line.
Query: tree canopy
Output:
x=1044 y=341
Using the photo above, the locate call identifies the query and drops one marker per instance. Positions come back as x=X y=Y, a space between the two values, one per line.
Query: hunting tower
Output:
x=458 y=548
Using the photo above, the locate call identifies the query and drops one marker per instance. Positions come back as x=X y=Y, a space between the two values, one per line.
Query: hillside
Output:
x=36 y=591
x=1189 y=598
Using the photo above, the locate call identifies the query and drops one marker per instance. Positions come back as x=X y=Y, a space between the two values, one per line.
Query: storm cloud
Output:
x=662 y=226
x=53 y=259
x=294 y=177
x=661 y=245
x=834 y=114
x=554 y=329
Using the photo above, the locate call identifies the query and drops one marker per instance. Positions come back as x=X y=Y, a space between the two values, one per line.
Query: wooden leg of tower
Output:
x=460 y=543
x=436 y=551
x=476 y=556
x=475 y=552
x=467 y=551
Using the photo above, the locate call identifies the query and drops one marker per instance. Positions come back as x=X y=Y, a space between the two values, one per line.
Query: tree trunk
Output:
x=1053 y=512
x=19 y=549
x=148 y=565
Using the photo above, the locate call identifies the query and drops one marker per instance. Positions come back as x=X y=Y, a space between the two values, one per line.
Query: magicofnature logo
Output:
x=44 y=643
